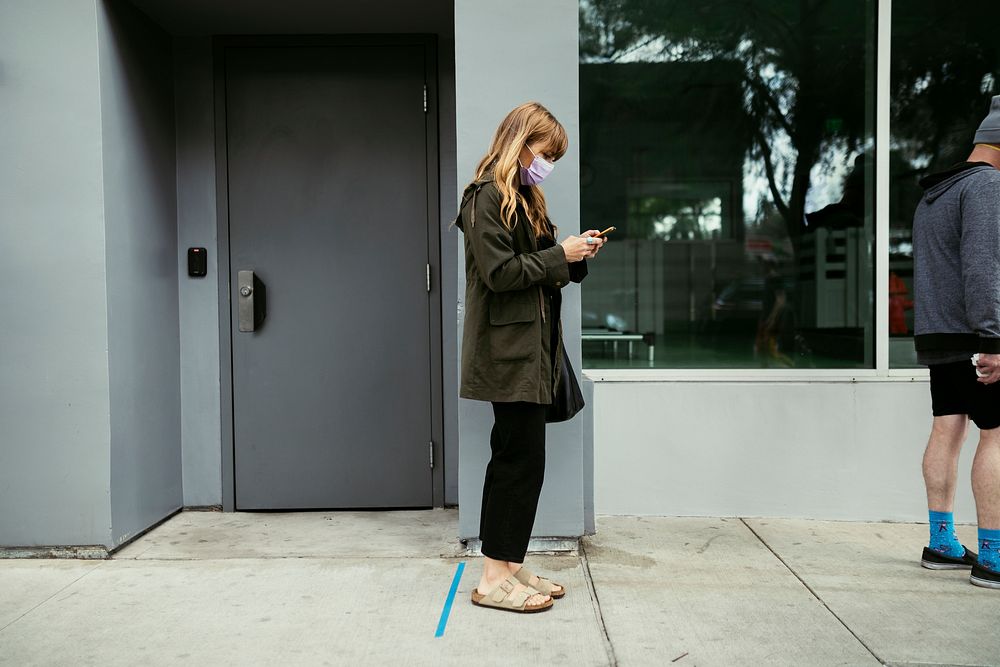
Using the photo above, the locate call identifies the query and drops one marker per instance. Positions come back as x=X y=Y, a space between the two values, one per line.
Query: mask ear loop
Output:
x=534 y=156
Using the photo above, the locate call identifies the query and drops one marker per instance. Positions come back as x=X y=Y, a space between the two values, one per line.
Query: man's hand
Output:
x=990 y=365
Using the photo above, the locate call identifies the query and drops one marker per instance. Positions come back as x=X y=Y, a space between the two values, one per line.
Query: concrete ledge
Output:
x=537 y=545
x=92 y=552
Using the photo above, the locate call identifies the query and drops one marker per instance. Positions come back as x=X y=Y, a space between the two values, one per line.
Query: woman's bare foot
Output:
x=495 y=571
x=514 y=567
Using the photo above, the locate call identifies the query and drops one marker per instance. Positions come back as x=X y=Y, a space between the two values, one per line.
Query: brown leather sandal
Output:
x=504 y=597
x=543 y=585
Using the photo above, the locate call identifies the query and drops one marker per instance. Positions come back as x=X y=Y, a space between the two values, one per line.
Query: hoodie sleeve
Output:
x=981 y=261
x=501 y=269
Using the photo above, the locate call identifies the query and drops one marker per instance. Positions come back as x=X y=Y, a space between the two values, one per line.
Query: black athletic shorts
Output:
x=956 y=391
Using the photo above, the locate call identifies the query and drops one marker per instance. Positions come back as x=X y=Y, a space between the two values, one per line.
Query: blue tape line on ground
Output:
x=451 y=598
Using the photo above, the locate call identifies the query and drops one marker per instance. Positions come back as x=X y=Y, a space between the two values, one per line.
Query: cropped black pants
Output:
x=513 y=480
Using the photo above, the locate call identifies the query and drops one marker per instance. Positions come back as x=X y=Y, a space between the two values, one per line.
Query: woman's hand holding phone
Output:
x=600 y=238
x=581 y=247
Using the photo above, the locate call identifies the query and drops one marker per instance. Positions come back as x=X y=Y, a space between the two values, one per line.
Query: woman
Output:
x=512 y=342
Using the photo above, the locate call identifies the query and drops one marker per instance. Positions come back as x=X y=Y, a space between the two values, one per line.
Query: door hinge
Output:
x=428 y=277
x=425 y=98
x=431 y=448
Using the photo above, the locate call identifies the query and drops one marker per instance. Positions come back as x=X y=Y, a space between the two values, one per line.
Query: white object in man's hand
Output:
x=975 y=362
x=987 y=367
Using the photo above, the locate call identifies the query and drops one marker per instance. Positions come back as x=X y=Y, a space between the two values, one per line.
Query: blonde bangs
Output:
x=556 y=142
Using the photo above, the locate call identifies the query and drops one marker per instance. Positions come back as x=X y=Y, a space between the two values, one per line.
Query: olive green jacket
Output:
x=506 y=353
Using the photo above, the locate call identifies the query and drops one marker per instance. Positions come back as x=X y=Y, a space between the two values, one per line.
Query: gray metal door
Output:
x=328 y=206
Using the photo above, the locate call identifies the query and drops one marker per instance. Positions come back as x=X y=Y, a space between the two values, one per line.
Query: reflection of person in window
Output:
x=775 y=329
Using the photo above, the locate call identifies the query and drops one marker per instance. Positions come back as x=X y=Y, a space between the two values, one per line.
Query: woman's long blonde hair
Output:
x=527 y=124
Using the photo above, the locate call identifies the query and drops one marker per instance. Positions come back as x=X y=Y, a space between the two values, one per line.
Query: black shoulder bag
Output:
x=567 y=399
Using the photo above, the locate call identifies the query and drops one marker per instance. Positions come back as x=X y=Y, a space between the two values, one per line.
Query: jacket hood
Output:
x=937 y=184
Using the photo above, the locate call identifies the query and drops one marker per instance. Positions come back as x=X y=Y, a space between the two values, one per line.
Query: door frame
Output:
x=220 y=45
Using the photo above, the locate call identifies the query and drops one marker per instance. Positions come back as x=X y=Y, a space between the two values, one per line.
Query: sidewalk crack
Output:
x=811 y=591
x=4 y=627
x=609 y=647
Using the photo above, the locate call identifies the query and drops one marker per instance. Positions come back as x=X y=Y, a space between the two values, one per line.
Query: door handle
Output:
x=252 y=301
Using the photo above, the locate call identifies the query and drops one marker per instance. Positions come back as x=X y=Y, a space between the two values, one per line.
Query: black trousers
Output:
x=513 y=480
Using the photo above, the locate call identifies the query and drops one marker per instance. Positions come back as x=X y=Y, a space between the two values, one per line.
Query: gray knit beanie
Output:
x=989 y=130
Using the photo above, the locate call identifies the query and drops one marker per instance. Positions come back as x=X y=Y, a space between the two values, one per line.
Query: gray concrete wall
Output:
x=141 y=239
x=823 y=450
x=196 y=205
x=54 y=400
x=490 y=79
x=201 y=426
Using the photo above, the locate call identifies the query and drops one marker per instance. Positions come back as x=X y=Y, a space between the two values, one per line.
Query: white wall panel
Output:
x=824 y=450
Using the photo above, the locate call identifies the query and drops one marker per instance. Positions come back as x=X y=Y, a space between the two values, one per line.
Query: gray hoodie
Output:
x=956 y=264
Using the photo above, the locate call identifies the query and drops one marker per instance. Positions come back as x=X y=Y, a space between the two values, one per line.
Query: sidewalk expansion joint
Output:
x=811 y=591
x=609 y=647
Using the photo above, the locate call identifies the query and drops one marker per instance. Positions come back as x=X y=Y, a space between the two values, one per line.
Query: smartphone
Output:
x=606 y=231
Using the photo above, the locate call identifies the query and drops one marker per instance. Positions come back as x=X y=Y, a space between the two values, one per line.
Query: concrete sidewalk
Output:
x=368 y=588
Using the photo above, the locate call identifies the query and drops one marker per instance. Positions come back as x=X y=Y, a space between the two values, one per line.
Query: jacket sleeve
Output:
x=578 y=271
x=492 y=245
x=980 y=251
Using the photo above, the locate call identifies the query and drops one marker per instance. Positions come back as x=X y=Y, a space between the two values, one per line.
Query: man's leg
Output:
x=940 y=477
x=986 y=489
x=941 y=460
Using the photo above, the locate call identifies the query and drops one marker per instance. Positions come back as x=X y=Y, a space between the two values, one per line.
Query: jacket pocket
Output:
x=512 y=317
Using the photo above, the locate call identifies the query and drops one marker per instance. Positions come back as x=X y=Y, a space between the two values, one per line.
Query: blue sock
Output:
x=989 y=549
x=943 y=539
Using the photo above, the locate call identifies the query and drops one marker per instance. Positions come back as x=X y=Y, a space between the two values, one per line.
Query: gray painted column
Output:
x=89 y=397
x=140 y=231
x=55 y=444
x=506 y=54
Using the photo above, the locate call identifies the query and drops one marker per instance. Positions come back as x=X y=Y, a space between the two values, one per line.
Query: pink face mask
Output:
x=536 y=171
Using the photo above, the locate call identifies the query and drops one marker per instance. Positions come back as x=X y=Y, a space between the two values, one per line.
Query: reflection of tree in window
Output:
x=675 y=219
x=735 y=134
x=800 y=69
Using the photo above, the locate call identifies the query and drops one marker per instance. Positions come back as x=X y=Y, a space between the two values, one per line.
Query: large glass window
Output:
x=945 y=68
x=731 y=144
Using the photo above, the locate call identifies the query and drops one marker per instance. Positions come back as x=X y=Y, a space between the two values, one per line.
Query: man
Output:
x=956 y=251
